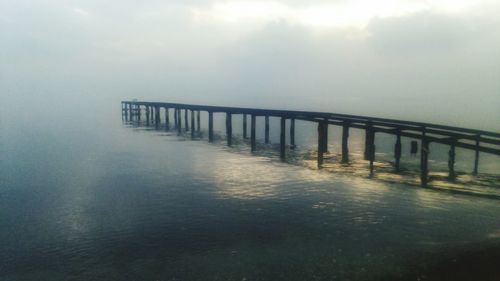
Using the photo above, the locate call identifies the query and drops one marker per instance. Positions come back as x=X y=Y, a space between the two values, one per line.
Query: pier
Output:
x=479 y=141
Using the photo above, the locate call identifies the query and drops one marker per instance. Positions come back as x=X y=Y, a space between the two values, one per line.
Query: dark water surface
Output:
x=100 y=200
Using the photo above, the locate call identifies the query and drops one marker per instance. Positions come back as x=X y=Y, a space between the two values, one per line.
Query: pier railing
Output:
x=479 y=141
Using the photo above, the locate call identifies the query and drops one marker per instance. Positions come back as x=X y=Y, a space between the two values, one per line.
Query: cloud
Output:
x=407 y=65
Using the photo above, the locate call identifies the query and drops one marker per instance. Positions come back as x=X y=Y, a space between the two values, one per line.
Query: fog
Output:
x=432 y=61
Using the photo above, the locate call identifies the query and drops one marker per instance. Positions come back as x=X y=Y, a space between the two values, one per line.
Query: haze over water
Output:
x=84 y=196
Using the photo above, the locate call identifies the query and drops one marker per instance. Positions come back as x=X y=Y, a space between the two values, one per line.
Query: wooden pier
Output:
x=478 y=141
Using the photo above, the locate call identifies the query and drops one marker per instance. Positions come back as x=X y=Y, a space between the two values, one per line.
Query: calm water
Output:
x=89 y=198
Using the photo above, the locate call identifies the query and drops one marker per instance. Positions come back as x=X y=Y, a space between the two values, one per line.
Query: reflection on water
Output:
x=122 y=203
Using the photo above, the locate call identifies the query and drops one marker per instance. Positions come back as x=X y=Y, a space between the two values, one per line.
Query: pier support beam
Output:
x=345 y=142
x=229 y=128
x=167 y=119
x=147 y=114
x=252 y=133
x=244 y=126
x=151 y=112
x=397 y=150
x=179 y=120
x=368 y=141
x=198 y=121
x=186 y=123
x=292 y=133
x=176 y=123
x=157 y=116
x=210 y=126
x=321 y=141
x=325 y=141
x=451 y=161
x=370 y=147
x=282 y=138
x=476 y=158
x=192 y=124
x=266 y=129
x=424 y=163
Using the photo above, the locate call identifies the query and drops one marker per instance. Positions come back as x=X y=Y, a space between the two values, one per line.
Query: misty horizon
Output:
x=428 y=61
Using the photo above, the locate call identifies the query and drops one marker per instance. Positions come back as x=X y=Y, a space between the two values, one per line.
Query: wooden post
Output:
x=345 y=142
x=192 y=124
x=244 y=126
x=370 y=147
x=451 y=161
x=321 y=146
x=266 y=132
x=397 y=150
x=167 y=119
x=367 y=140
x=152 y=113
x=186 y=123
x=424 y=162
x=325 y=140
x=476 y=158
x=198 y=121
x=210 y=126
x=252 y=133
x=179 y=119
x=147 y=114
x=292 y=133
x=282 y=138
x=176 y=123
x=157 y=116
x=229 y=128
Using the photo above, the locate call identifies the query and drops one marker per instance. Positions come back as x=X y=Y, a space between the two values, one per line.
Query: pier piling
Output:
x=292 y=133
x=282 y=138
x=345 y=142
x=476 y=156
x=424 y=163
x=266 y=129
x=451 y=161
x=210 y=126
x=244 y=126
x=321 y=145
x=192 y=124
x=198 y=121
x=167 y=119
x=397 y=150
x=229 y=128
x=252 y=133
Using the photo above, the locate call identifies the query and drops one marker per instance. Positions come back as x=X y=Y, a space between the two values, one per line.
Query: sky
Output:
x=421 y=60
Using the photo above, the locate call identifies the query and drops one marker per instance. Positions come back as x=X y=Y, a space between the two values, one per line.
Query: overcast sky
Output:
x=423 y=60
